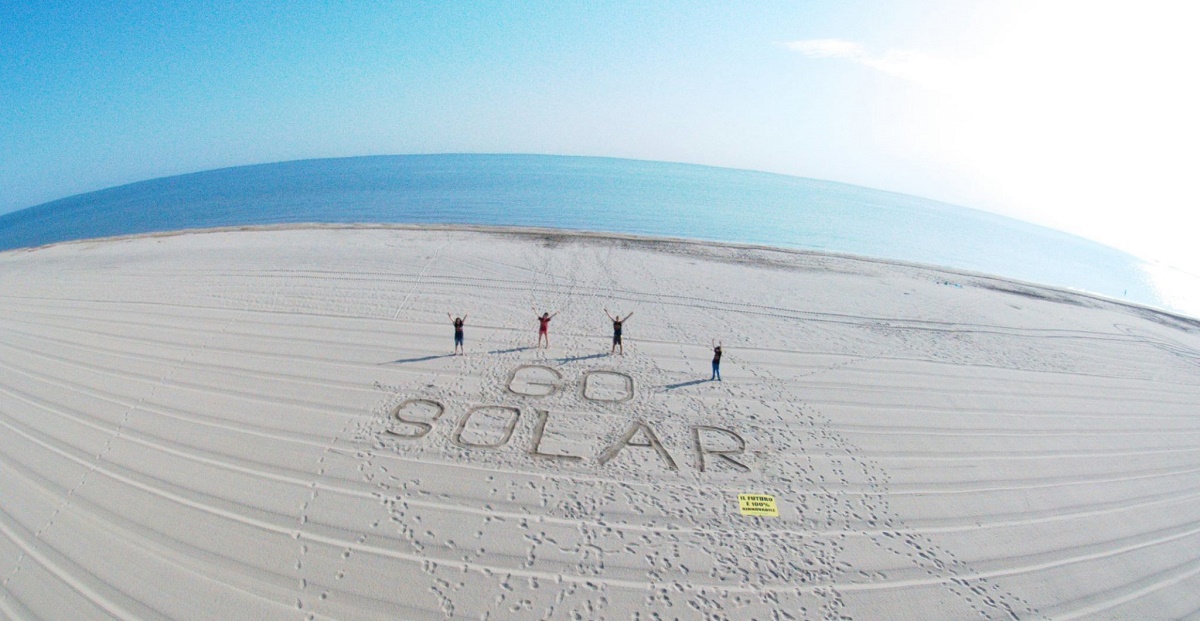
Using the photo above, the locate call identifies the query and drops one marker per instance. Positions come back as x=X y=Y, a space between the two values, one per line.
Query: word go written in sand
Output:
x=599 y=439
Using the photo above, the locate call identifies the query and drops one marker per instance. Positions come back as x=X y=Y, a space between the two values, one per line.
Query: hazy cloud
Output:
x=827 y=48
x=929 y=71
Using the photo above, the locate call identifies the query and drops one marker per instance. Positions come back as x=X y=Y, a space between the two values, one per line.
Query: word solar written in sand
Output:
x=492 y=426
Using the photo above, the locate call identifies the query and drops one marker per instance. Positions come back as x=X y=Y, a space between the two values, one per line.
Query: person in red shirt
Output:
x=544 y=327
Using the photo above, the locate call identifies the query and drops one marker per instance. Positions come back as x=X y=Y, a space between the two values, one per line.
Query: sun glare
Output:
x=1081 y=116
x=1075 y=115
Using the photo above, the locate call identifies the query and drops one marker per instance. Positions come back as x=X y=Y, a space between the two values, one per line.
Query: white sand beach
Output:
x=268 y=424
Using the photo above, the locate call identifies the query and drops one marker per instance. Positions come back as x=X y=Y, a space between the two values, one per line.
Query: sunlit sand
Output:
x=271 y=424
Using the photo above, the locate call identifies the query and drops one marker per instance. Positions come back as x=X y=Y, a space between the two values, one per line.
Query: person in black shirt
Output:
x=458 y=332
x=617 y=322
x=716 y=374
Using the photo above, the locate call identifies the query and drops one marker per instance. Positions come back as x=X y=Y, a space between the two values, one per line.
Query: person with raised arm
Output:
x=544 y=326
x=458 y=332
x=617 y=323
x=716 y=374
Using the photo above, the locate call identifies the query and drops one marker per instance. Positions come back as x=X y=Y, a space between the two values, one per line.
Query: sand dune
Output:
x=267 y=424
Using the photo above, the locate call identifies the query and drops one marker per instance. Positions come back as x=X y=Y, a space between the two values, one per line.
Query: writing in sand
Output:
x=491 y=426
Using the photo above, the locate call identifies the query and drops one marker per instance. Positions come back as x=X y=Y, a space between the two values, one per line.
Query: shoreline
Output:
x=536 y=232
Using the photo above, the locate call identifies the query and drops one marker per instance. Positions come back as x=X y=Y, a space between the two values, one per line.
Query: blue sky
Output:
x=1067 y=113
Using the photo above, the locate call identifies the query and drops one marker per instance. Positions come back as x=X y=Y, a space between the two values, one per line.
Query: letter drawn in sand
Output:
x=534 y=380
x=701 y=449
x=490 y=424
x=607 y=386
x=627 y=440
x=539 y=430
x=420 y=413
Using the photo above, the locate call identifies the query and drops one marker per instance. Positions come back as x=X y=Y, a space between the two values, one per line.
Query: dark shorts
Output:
x=458 y=338
x=616 y=339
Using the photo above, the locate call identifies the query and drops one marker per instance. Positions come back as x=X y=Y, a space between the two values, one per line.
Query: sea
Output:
x=611 y=195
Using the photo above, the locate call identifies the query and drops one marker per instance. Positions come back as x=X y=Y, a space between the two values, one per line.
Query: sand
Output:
x=268 y=424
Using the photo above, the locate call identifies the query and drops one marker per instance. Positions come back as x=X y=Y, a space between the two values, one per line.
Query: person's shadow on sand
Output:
x=421 y=359
x=682 y=384
x=578 y=358
x=509 y=351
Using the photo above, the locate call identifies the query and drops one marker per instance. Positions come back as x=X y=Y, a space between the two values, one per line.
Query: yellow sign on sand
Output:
x=758 y=504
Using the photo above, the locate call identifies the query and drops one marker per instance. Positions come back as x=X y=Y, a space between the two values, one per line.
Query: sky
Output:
x=1072 y=114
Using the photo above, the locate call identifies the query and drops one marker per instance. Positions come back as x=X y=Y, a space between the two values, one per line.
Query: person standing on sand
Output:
x=458 y=332
x=544 y=327
x=617 y=321
x=716 y=374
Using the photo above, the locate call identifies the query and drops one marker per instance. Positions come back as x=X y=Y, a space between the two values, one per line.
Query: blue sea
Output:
x=599 y=194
